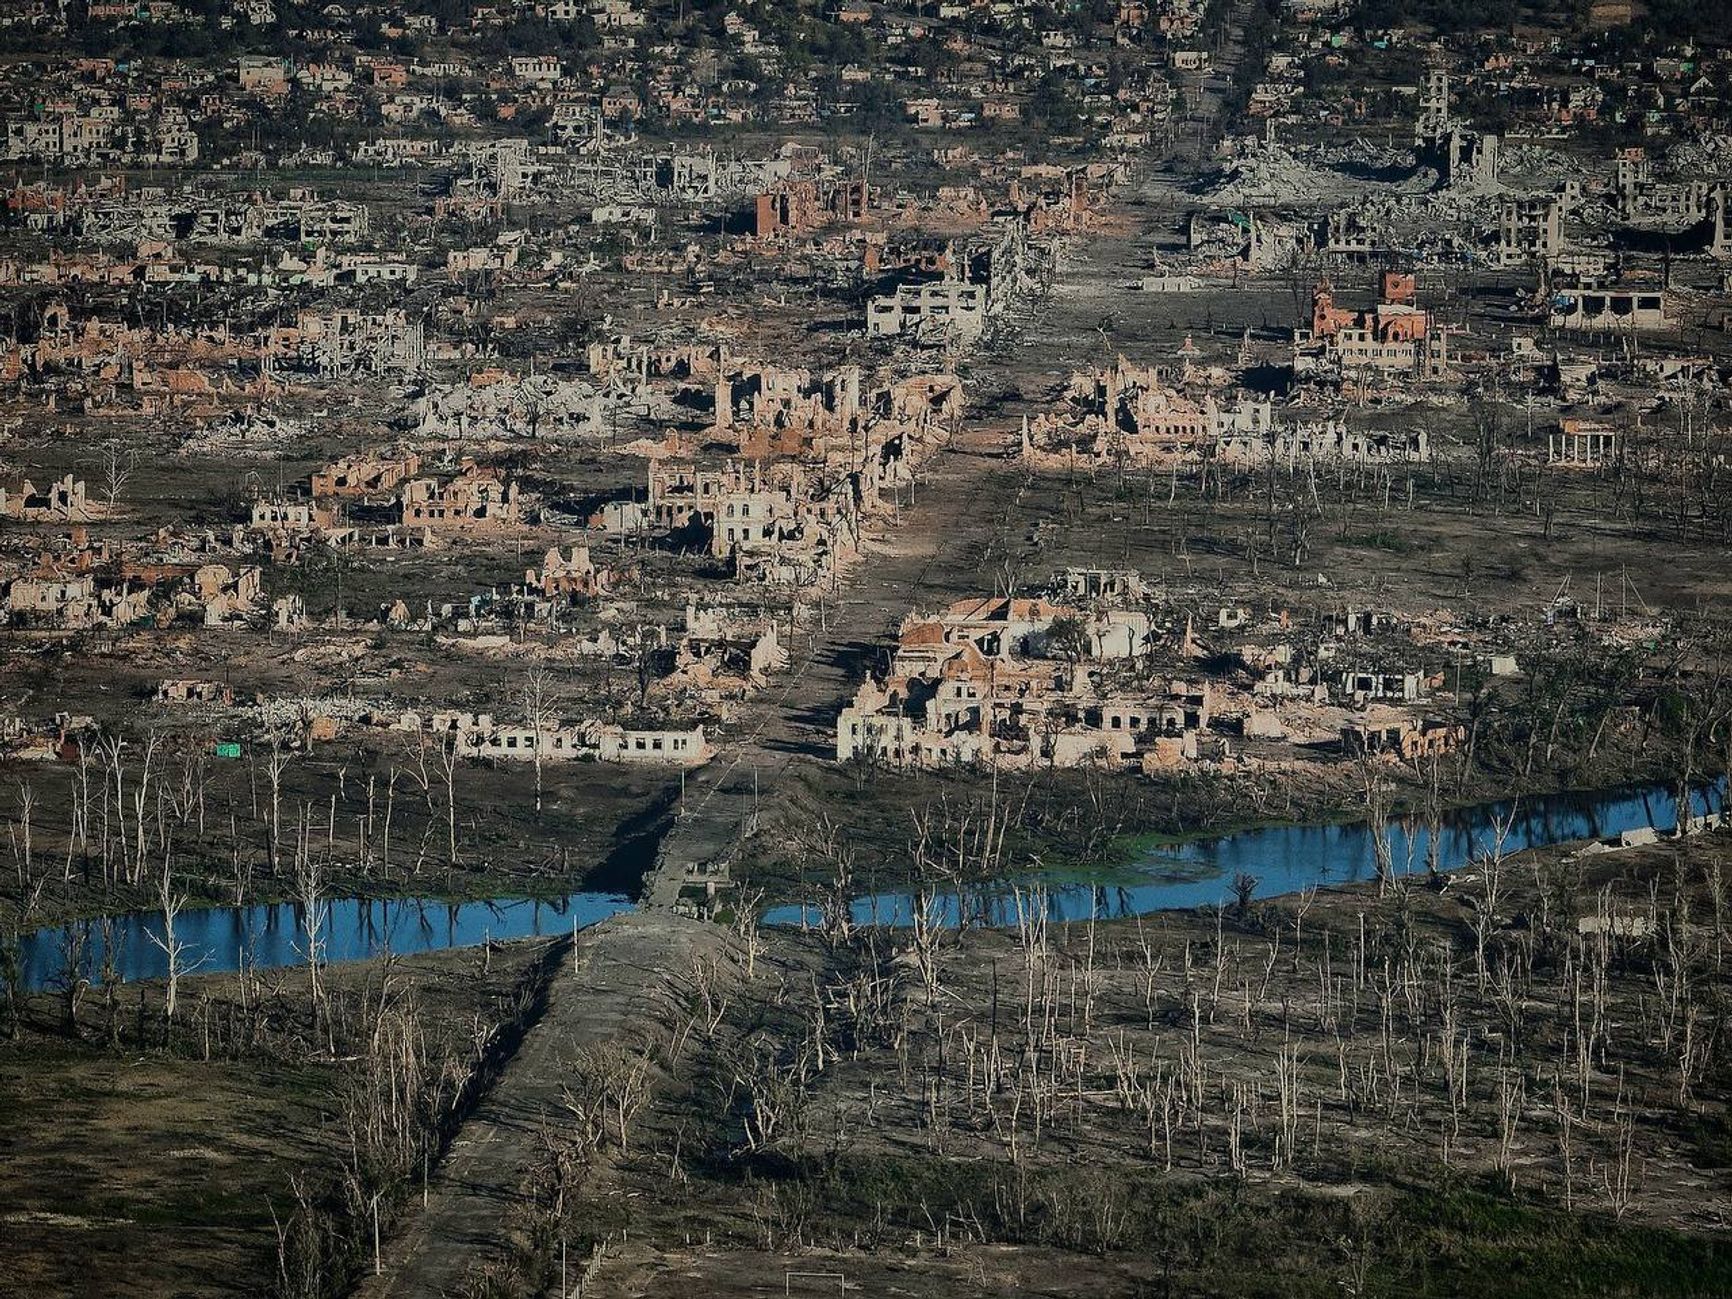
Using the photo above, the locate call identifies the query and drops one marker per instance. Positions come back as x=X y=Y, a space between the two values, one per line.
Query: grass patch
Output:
x=112 y=1150
x=1383 y=539
x=1467 y=1242
x=1709 y=1137
x=1226 y=1237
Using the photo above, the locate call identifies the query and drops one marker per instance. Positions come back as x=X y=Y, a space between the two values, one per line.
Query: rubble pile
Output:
x=1271 y=174
x=249 y=433
x=498 y=405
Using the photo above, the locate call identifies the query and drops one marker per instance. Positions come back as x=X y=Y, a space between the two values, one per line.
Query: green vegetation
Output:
x=1229 y=1237
x=1709 y=24
x=1383 y=539
x=1468 y=1242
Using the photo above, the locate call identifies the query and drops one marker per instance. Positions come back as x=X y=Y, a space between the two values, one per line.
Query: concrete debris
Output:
x=495 y=404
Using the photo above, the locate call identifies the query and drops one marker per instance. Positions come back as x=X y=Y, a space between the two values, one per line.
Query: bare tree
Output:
x=276 y=763
x=73 y=978
x=111 y=750
x=109 y=978
x=26 y=808
x=644 y=665
x=538 y=697
x=310 y=895
x=118 y=462
x=448 y=758
x=11 y=985
x=1377 y=814
x=611 y=1087
x=140 y=802
x=174 y=951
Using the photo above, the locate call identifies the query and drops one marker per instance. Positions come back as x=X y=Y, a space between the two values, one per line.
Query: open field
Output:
x=103 y=1152
x=232 y=1139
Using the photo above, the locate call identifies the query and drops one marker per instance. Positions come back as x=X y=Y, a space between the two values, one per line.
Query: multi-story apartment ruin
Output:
x=339 y=343
x=781 y=523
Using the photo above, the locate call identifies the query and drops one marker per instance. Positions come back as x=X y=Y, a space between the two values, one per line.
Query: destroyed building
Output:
x=361 y=476
x=480 y=498
x=1394 y=337
x=881 y=435
x=986 y=278
x=1583 y=444
x=1142 y=417
x=64 y=501
x=990 y=682
x=496 y=404
x=341 y=343
x=568 y=577
x=782 y=523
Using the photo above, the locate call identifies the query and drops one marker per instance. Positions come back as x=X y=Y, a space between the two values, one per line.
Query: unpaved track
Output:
x=616 y=983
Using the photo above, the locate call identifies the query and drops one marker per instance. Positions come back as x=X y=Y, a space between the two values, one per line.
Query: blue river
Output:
x=1289 y=858
x=1197 y=872
x=270 y=935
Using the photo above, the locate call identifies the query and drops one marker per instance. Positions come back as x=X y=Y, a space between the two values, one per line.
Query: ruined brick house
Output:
x=63 y=502
x=1296 y=442
x=573 y=577
x=724 y=654
x=362 y=476
x=1395 y=336
x=1135 y=416
x=882 y=434
x=480 y=498
x=275 y=515
x=78 y=601
x=1401 y=738
x=798 y=206
x=480 y=735
x=945 y=309
x=185 y=690
x=224 y=595
x=494 y=403
x=337 y=343
x=681 y=746
x=1123 y=413
x=984 y=681
x=781 y=523
x=1100 y=585
x=1363 y=685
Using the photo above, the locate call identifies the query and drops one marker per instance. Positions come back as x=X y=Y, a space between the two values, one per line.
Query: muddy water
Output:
x=266 y=936
x=1288 y=858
